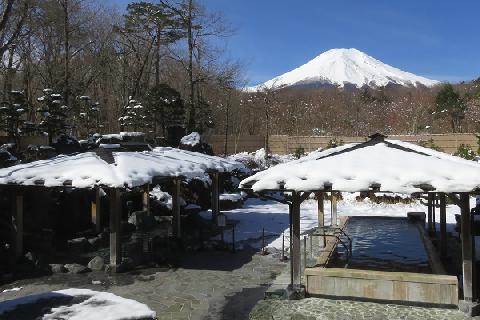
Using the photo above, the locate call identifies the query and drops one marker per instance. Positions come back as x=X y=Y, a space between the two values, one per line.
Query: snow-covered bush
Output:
x=256 y=160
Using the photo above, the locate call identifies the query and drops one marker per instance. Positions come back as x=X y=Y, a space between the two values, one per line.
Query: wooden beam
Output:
x=17 y=223
x=215 y=195
x=304 y=196
x=334 y=221
x=146 y=198
x=177 y=219
x=454 y=198
x=115 y=228
x=96 y=209
x=467 y=249
x=443 y=225
x=296 y=254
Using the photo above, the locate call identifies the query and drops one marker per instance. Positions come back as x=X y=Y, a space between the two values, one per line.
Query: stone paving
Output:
x=326 y=309
x=209 y=285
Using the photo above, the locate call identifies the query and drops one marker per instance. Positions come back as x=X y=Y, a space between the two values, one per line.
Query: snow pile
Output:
x=234 y=197
x=256 y=160
x=192 y=139
x=392 y=165
x=164 y=197
x=131 y=169
x=98 y=305
x=346 y=66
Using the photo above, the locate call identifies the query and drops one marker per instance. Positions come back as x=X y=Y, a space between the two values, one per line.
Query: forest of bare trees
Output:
x=153 y=65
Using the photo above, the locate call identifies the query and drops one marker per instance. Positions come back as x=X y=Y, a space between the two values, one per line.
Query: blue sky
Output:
x=437 y=39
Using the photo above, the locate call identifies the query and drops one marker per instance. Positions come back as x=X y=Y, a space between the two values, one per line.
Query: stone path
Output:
x=326 y=309
x=209 y=285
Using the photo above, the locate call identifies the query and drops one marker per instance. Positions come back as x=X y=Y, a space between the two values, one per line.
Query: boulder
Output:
x=57 y=268
x=78 y=244
x=76 y=268
x=96 y=264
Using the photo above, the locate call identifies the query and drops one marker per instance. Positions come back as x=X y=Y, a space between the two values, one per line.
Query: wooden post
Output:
x=177 y=219
x=96 y=209
x=115 y=228
x=334 y=221
x=467 y=249
x=215 y=196
x=296 y=253
x=321 y=216
x=146 y=198
x=434 y=205
x=320 y=210
x=17 y=223
x=430 y=212
x=443 y=225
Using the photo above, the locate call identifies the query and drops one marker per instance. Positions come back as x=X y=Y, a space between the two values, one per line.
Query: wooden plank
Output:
x=467 y=248
x=115 y=228
x=177 y=218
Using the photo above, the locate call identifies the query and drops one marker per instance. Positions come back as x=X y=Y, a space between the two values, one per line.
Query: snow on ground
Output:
x=257 y=214
x=98 y=305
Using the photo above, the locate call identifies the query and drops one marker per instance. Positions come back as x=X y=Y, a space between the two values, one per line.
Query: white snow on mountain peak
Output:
x=346 y=66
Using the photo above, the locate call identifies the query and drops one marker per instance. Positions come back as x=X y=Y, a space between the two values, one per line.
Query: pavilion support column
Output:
x=215 y=195
x=177 y=218
x=96 y=209
x=334 y=221
x=468 y=304
x=146 y=198
x=430 y=213
x=115 y=228
x=296 y=250
x=17 y=222
x=443 y=225
x=321 y=215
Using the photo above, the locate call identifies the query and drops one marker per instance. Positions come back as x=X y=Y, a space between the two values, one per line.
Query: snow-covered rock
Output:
x=191 y=140
x=342 y=67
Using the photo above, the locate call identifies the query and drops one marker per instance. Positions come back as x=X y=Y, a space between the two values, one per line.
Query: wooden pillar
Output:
x=96 y=209
x=146 y=199
x=320 y=210
x=430 y=212
x=434 y=205
x=468 y=249
x=17 y=223
x=296 y=250
x=443 y=225
x=334 y=221
x=215 y=196
x=177 y=219
x=115 y=228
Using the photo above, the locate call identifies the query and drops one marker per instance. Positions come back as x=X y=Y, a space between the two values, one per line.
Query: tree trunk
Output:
x=191 y=113
x=67 y=52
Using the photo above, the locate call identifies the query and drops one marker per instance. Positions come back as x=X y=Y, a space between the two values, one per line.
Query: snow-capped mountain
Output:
x=343 y=67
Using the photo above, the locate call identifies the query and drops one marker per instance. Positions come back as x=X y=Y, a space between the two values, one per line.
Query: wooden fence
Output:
x=288 y=144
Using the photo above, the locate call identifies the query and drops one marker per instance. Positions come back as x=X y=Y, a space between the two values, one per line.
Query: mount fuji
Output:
x=345 y=67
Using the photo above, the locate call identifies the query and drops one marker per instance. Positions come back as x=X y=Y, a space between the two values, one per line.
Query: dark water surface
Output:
x=386 y=244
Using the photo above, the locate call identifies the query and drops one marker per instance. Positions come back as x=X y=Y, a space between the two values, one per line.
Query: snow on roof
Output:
x=191 y=140
x=391 y=165
x=130 y=169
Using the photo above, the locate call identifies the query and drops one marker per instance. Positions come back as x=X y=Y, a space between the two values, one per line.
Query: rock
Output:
x=141 y=220
x=94 y=242
x=96 y=264
x=76 y=268
x=57 y=268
